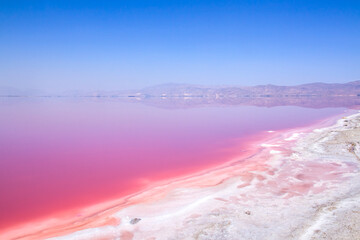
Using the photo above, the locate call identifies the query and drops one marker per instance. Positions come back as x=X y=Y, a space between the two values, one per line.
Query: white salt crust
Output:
x=299 y=190
x=301 y=184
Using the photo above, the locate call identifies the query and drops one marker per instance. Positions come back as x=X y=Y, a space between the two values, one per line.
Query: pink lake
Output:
x=61 y=154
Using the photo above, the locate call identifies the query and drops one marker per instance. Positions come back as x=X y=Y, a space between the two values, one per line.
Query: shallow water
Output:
x=63 y=154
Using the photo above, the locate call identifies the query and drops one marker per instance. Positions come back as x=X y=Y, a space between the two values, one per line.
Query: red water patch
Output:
x=57 y=158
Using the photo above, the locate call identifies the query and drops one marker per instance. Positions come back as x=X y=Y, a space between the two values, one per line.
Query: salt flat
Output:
x=300 y=184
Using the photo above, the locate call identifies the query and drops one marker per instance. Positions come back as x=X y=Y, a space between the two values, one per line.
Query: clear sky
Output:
x=58 y=45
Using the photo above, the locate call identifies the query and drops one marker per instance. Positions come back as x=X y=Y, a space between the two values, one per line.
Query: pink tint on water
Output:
x=57 y=156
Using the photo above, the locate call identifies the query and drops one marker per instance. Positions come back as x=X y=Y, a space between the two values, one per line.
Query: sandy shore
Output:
x=298 y=184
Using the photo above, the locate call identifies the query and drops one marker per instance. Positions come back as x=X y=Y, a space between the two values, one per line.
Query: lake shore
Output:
x=296 y=184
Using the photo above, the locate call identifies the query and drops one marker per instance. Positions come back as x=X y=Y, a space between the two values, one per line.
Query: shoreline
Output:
x=116 y=218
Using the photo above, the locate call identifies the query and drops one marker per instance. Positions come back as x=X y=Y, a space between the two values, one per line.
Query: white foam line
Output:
x=294 y=136
x=269 y=145
x=274 y=152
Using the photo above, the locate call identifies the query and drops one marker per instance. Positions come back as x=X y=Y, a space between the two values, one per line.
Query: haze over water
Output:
x=60 y=155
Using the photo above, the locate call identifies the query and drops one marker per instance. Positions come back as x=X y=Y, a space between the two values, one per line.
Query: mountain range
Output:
x=315 y=95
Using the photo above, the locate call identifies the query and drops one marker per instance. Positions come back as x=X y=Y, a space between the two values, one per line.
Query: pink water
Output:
x=58 y=155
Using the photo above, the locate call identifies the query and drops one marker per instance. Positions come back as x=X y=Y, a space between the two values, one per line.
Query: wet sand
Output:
x=296 y=184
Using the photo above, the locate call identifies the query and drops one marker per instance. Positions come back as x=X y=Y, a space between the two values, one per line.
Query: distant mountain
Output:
x=313 y=89
x=313 y=95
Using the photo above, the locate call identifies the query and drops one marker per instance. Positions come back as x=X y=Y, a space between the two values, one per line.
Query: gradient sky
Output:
x=108 y=45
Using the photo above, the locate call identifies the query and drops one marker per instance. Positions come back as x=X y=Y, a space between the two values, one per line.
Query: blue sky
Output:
x=109 y=45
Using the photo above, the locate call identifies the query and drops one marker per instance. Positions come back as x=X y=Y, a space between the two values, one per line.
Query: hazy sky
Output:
x=62 y=45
